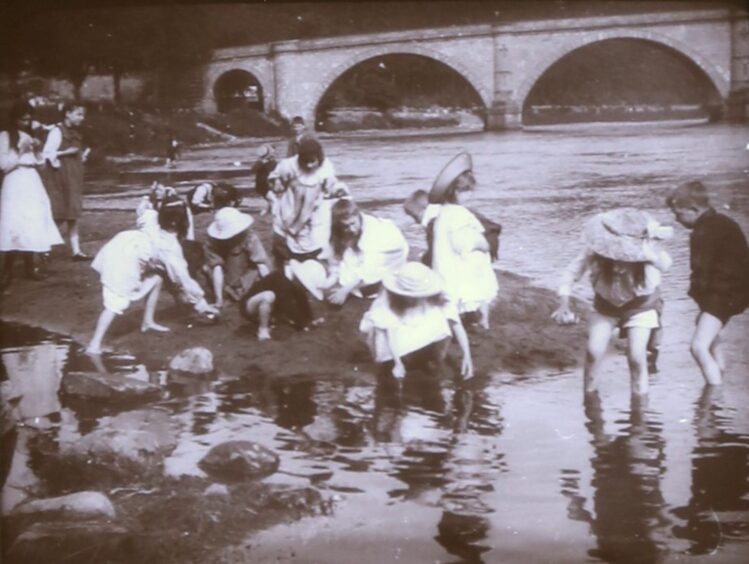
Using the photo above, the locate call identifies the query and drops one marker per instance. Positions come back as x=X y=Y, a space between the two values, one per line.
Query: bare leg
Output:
x=484 y=316
x=717 y=351
x=705 y=334
x=75 y=240
x=262 y=305
x=102 y=325
x=149 y=324
x=217 y=277
x=637 y=342
x=599 y=335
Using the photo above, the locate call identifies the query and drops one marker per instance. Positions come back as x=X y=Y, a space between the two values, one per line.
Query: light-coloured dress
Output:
x=469 y=278
x=382 y=248
x=26 y=222
x=417 y=328
x=303 y=191
x=131 y=258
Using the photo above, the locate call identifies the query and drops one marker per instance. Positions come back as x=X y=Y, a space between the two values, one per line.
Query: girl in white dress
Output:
x=412 y=315
x=26 y=223
x=129 y=266
x=461 y=252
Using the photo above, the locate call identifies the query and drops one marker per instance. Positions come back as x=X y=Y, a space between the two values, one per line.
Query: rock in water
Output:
x=239 y=460
x=75 y=506
x=197 y=360
x=79 y=541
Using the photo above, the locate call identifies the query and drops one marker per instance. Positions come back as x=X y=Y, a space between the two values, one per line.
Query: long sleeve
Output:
x=8 y=157
x=171 y=257
x=52 y=145
x=574 y=271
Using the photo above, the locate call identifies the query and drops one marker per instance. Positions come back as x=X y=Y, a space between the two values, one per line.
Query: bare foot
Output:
x=263 y=334
x=317 y=322
x=153 y=326
x=92 y=350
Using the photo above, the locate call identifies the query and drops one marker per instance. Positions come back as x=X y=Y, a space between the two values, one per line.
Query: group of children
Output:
x=418 y=307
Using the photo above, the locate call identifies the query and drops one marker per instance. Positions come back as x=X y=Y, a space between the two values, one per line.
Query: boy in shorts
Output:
x=719 y=281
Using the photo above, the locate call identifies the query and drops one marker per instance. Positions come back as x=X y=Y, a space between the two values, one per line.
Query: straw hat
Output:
x=458 y=165
x=311 y=274
x=228 y=222
x=413 y=280
x=621 y=234
x=264 y=150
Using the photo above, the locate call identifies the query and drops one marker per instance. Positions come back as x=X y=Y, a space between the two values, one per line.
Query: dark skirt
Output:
x=292 y=303
x=64 y=187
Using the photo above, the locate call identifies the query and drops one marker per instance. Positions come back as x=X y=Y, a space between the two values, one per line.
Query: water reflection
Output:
x=719 y=506
x=628 y=504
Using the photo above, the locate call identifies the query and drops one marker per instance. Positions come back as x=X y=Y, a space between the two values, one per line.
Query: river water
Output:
x=510 y=469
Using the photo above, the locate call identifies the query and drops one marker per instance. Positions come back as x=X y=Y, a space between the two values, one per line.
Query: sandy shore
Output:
x=521 y=339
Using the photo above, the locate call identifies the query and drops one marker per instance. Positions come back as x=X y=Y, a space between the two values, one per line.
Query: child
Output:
x=129 y=265
x=460 y=251
x=200 y=198
x=263 y=167
x=412 y=315
x=172 y=151
x=298 y=130
x=625 y=269
x=417 y=206
x=155 y=200
x=719 y=282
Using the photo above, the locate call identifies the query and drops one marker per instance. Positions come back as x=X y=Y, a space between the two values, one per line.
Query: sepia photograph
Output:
x=370 y=282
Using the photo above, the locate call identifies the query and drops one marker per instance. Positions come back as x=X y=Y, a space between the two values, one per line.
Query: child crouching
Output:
x=410 y=316
x=129 y=266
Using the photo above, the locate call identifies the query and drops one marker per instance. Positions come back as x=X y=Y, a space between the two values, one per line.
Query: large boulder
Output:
x=78 y=541
x=115 y=387
x=76 y=506
x=197 y=360
x=239 y=460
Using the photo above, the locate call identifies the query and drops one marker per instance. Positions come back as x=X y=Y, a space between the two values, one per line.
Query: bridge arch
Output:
x=221 y=74
x=473 y=78
x=720 y=82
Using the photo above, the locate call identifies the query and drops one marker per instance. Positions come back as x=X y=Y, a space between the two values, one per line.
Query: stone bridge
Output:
x=501 y=62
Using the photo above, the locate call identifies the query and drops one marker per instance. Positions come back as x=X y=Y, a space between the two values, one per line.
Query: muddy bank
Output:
x=69 y=302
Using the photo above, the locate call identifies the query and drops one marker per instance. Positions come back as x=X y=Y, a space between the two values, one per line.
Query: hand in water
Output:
x=466 y=368
x=564 y=316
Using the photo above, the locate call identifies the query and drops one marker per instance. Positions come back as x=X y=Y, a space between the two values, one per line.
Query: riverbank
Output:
x=521 y=340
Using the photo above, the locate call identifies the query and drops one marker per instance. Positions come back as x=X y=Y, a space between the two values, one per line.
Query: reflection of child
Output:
x=720 y=272
x=625 y=269
x=412 y=315
x=129 y=264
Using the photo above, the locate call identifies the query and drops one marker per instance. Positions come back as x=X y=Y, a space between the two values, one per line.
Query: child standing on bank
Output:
x=719 y=282
x=411 y=319
x=460 y=253
x=625 y=270
x=130 y=265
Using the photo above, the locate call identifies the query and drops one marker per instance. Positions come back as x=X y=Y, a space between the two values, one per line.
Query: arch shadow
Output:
x=238 y=88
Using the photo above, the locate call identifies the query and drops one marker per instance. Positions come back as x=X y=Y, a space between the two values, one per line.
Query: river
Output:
x=515 y=469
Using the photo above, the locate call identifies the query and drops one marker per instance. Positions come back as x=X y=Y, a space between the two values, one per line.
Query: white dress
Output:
x=127 y=261
x=303 y=188
x=469 y=278
x=26 y=222
x=417 y=328
x=382 y=249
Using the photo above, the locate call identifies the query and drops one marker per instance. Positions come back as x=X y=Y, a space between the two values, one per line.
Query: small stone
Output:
x=197 y=360
x=239 y=460
x=77 y=506
x=216 y=489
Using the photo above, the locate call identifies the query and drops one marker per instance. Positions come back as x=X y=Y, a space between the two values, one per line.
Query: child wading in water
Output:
x=460 y=253
x=625 y=268
x=412 y=319
x=719 y=282
x=129 y=265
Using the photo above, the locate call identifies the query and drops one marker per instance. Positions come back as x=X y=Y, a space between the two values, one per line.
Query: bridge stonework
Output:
x=501 y=62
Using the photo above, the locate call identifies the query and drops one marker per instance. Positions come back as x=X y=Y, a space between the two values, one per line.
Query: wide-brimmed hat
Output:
x=311 y=274
x=264 y=150
x=228 y=222
x=459 y=164
x=621 y=234
x=413 y=280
